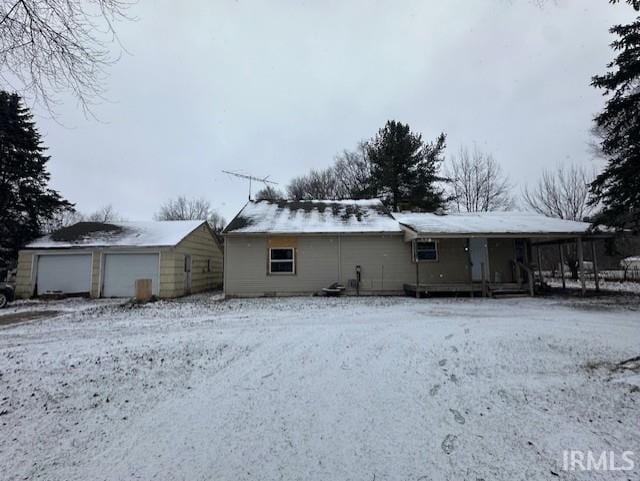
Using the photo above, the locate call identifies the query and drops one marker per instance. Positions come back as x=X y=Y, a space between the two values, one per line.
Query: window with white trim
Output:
x=425 y=250
x=282 y=260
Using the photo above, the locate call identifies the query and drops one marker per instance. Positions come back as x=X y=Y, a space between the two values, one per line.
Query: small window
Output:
x=425 y=251
x=281 y=260
x=208 y=265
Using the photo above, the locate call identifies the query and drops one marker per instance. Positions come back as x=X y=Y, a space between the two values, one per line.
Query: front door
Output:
x=187 y=274
x=479 y=255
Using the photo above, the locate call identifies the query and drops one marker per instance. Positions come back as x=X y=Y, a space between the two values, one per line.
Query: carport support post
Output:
x=583 y=287
x=417 y=278
x=539 y=265
x=470 y=265
x=561 y=248
x=594 y=259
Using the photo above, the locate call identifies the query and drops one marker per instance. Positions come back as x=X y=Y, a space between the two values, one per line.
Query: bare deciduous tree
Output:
x=353 y=171
x=62 y=219
x=183 y=208
x=477 y=183
x=69 y=217
x=51 y=46
x=269 y=193
x=104 y=214
x=348 y=178
x=562 y=193
x=317 y=184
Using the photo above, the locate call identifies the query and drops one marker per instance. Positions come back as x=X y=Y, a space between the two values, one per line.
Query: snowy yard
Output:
x=318 y=389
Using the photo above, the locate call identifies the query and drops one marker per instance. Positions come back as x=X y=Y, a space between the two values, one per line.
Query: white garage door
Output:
x=70 y=274
x=122 y=270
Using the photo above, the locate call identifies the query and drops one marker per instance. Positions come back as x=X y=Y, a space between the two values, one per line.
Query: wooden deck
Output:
x=475 y=288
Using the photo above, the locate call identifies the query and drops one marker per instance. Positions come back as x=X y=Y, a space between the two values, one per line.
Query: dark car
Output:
x=6 y=294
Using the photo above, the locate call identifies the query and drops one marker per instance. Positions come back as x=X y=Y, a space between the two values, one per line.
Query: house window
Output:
x=424 y=250
x=282 y=260
x=208 y=265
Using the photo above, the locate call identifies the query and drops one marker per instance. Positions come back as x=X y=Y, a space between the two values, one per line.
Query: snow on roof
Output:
x=490 y=223
x=118 y=234
x=313 y=216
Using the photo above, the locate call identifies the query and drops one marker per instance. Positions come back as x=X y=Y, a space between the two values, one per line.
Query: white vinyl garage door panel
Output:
x=122 y=270
x=70 y=274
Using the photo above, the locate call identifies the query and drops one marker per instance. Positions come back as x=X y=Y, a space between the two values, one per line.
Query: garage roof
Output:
x=118 y=234
x=313 y=217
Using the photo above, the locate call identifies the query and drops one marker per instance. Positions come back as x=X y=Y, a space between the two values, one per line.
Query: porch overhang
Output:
x=538 y=238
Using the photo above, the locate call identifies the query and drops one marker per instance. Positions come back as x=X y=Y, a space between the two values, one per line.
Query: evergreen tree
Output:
x=618 y=186
x=26 y=203
x=404 y=169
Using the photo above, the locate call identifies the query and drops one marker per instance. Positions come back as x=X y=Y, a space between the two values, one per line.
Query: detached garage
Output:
x=105 y=260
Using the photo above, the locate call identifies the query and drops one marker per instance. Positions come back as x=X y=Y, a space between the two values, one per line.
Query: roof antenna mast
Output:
x=251 y=178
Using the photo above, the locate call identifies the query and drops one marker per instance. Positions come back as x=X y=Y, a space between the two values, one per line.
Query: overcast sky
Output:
x=278 y=87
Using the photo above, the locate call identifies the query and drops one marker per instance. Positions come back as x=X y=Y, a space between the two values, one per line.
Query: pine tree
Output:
x=26 y=202
x=618 y=186
x=404 y=169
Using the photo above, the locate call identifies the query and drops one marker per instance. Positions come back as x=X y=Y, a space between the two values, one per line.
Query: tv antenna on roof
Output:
x=251 y=178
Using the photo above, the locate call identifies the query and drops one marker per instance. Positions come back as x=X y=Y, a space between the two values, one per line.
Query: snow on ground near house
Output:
x=320 y=389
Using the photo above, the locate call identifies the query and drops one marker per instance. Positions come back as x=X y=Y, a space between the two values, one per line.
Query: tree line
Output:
x=407 y=173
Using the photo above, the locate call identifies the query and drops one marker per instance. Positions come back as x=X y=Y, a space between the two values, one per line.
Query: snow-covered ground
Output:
x=319 y=389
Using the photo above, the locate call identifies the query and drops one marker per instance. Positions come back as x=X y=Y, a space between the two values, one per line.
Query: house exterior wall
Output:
x=385 y=260
x=452 y=266
x=246 y=266
x=24 y=282
x=199 y=244
x=206 y=263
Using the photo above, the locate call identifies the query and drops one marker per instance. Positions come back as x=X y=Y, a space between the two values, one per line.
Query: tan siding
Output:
x=202 y=247
x=452 y=265
x=316 y=267
x=385 y=261
x=167 y=273
x=96 y=267
x=24 y=281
